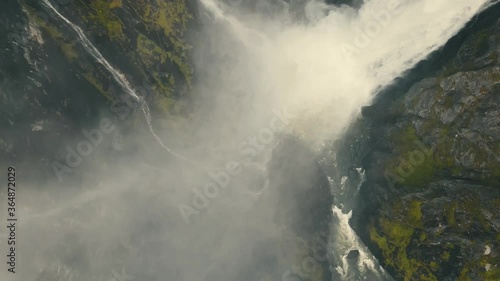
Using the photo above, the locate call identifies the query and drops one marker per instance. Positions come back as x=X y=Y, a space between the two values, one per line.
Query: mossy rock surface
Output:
x=145 y=40
x=433 y=168
x=437 y=233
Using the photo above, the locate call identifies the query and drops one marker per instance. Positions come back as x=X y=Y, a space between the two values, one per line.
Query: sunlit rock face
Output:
x=432 y=197
x=429 y=208
x=51 y=87
x=53 y=90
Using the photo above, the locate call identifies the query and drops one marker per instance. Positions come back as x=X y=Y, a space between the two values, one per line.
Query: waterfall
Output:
x=326 y=68
x=323 y=70
x=118 y=77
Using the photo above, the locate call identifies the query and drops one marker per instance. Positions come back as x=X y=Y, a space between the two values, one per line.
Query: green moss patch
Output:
x=393 y=236
x=101 y=12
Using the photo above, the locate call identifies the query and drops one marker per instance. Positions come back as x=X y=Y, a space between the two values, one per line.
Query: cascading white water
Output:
x=343 y=238
x=325 y=70
x=118 y=77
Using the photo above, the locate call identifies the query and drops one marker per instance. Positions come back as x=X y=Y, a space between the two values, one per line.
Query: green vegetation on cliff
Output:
x=101 y=12
x=142 y=38
x=394 y=235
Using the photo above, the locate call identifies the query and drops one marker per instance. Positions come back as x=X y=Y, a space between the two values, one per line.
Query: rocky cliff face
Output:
x=432 y=197
x=52 y=88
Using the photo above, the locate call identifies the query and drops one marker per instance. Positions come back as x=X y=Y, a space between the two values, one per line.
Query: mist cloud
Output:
x=320 y=62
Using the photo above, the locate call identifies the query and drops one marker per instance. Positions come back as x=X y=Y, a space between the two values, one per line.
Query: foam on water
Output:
x=325 y=69
x=322 y=70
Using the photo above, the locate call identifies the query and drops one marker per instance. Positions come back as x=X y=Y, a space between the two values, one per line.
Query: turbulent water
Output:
x=325 y=69
x=319 y=68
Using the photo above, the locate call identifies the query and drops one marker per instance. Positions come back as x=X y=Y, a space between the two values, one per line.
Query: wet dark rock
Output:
x=297 y=179
x=52 y=87
x=353 y=255
x=431 y=200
